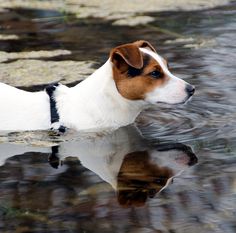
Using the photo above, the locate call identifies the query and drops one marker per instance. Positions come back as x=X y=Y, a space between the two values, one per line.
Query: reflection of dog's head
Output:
x=139 y=179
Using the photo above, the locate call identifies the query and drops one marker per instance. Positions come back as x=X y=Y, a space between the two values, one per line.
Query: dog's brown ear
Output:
x=127 y=55
x=144 y=44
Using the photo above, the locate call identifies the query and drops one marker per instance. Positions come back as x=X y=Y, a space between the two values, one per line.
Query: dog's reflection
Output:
x=145 y=173
x=135 y=168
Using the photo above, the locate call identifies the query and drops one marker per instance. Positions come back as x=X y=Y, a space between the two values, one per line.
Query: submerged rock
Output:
x=133 y=21
x=109 y=9
x=36 y=72
x=8 y=37
x=5 y=56
x=193 y=43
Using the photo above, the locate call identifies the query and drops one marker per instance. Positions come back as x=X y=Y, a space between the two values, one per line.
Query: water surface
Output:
x=180 y=176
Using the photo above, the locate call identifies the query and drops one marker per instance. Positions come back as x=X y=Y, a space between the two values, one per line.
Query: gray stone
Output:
x=36 y=72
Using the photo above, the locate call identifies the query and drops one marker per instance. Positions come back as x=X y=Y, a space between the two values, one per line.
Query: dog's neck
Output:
x=95 y=103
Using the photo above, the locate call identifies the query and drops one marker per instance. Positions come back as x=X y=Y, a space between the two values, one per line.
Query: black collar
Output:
x=53 y=108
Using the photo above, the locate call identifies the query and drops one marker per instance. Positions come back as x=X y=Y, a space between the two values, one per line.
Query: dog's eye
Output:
x=156 y=74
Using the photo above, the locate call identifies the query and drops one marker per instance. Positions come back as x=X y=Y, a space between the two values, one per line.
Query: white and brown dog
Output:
x=133 y=77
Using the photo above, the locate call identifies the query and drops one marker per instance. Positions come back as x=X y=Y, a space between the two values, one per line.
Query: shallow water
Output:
x=123 y=182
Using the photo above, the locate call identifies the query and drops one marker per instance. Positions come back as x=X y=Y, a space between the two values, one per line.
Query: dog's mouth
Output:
x=184 y=101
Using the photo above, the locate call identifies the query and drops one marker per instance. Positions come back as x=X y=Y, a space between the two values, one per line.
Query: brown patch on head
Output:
x=134 y=72
x=139 y=178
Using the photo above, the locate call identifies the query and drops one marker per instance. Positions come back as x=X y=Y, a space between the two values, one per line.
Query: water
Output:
x=179 y=177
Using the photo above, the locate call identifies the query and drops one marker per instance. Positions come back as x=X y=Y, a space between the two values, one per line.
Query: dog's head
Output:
x=141 y=74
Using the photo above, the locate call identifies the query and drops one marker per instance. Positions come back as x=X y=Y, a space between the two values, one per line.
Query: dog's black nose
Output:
x=190 y=89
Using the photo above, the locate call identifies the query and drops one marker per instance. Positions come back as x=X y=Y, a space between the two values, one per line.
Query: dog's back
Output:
x=21 y=110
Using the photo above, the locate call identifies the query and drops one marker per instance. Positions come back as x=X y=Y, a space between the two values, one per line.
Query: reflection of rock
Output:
x=35 y=72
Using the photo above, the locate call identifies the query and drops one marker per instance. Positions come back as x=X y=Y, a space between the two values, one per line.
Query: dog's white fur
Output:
x=173 y=92
x=21 y=110
x=94 y=104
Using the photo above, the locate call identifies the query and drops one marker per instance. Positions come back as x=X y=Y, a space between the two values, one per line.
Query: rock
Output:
x=109 y=9
x=5 y=56
x=8 y=37
x=134 y=21
x=25 y=73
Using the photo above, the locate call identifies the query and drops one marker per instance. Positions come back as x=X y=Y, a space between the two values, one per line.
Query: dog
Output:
x=133 y=77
